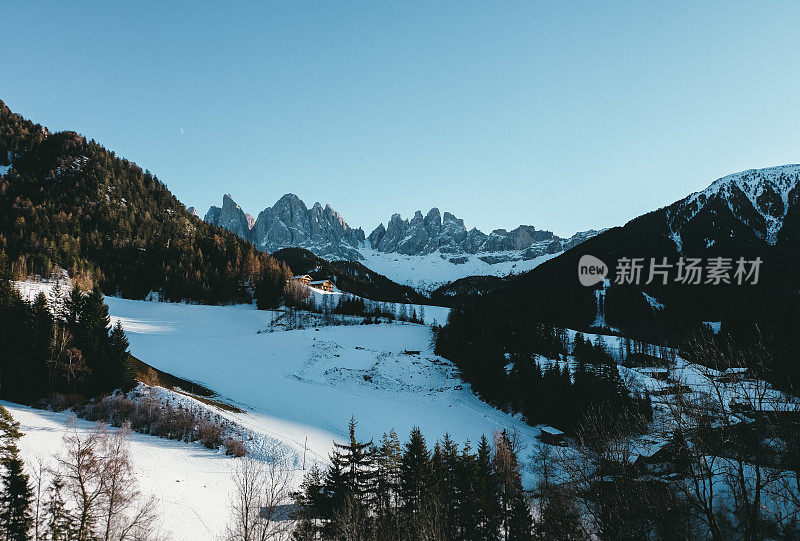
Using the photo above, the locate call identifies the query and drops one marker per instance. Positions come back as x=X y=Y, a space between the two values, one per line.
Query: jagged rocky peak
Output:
x=448 y=234
x=322 y=230
x=193 y=211
x=289 y=222
x=231 y=217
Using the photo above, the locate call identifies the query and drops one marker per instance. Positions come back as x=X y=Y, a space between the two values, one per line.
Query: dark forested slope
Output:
x=70 y=202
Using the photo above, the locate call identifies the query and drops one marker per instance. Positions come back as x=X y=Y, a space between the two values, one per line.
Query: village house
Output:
x=304 y=279
x=324 y=285
x=732 y=375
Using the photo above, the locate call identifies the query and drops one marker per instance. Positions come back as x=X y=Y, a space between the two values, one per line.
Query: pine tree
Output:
x=335 y=494
x=41 y=331
x=91 y=335
x=59 y=522
x=487 y=494
x=466 y=487
x=415 y=471
x=17 y=495
x=15 y=502
x=120 y=366
x=386 y=499
x=73 y=306
x=449 y=496
x=357 y=463
x=520 y=527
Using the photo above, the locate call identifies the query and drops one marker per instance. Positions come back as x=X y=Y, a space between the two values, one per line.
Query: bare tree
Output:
x=600 y=477
x=125 y=514
x=82 y=469
x=260 y=500
x=732 y=438
x=38 y=475
x=350 y=519
x=98 y=474
x=749 y=435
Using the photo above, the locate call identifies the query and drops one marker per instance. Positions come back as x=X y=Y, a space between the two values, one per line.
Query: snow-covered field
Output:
x=298 y=389
x=307 y=383
x=190 y=482
x=427 y=272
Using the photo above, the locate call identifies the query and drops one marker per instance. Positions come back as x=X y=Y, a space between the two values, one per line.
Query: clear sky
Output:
x=562 y=115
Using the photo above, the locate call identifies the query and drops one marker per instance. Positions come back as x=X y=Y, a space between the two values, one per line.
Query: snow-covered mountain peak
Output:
x=758 y=198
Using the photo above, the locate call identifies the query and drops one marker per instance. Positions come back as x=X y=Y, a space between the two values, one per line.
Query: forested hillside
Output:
x=719 y=224
x=66 y=201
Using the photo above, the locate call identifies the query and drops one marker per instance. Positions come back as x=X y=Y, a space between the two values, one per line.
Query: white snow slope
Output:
x=427 y=272
x=295 y=387
x=309 y=382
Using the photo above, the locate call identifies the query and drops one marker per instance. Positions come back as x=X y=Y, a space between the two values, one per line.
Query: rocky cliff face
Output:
x=448 y=234
x=289 y=223
x=322 y=230
x=230 y=216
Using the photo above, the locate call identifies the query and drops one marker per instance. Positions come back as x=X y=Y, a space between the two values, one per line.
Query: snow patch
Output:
x=653 y=302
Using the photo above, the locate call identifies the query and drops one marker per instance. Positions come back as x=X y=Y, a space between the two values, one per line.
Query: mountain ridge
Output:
x=323 y=231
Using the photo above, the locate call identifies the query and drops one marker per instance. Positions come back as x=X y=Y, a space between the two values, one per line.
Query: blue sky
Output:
x=562 y=115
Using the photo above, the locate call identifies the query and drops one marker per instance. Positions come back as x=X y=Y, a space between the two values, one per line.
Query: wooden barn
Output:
x=551 y=436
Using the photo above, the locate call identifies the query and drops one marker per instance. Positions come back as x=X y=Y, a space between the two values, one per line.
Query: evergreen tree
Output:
x=310 y=500
x=520 y=527
x=120 y=366
x=59 y=522
x=466 y=488
x=386 y=497
x=356 y=462
x=415 y=472
x=17 y=495
x=487 y=492
x=447 y=491
x=72 y=309
x=16 y=499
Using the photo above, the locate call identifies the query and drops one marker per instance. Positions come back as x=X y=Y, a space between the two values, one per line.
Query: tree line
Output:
x=536 y=376
x=390 y=490
x=345 y=309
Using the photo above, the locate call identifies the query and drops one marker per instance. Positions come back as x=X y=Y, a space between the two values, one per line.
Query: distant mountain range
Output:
x=323 y=231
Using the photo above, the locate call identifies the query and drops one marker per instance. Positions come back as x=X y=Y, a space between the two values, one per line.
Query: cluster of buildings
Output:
x=305 y=279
